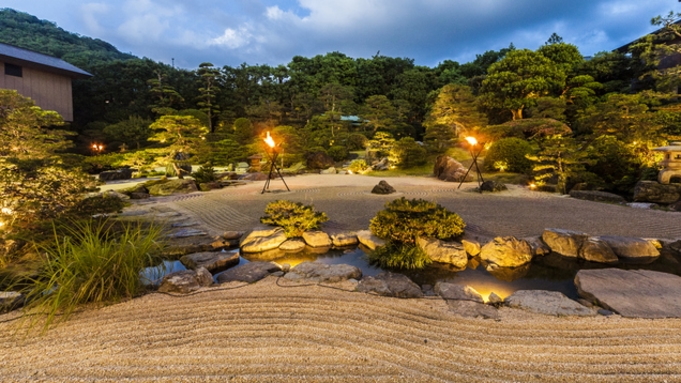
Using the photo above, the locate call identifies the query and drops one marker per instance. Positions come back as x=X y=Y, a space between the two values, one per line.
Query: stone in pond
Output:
x=632 y=293
x=344 y=239
x=368 y=239
x=548 y=303
x=506 y=252
x=317 y=238
x=261 y=240
x=250 y=272
x=631 y=248
x=444 y=252
x=183 y=282
x=564 y=242
x=293 y=245
x=212 y=261
x=390 y=284
x=319 y=272
x=451 y=291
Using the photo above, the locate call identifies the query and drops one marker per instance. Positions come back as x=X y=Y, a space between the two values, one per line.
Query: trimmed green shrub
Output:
x=338 y=153
x=358 y=166
x=399 y=257
x=294 y=217
x=403 y=220
x=407 y=153
x=91 y=263
x=356 y=141
x=204 y=174
x=510 y=151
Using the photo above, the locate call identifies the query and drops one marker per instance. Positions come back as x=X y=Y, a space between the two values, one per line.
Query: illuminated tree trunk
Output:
x=517 y=114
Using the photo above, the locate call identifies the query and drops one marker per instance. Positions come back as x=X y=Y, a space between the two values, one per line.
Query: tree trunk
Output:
x=517 y=114
x=178 y=171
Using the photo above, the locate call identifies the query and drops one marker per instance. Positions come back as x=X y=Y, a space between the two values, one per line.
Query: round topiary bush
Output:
x=294 y=217
x=511 y=153
x=402 y=221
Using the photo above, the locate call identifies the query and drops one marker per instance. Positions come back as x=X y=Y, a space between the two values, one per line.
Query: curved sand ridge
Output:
x=263 y=332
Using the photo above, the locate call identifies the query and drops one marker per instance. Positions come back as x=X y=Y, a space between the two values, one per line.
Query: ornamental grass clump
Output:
x=91 y=262
x=401 y=222
x=294 y=217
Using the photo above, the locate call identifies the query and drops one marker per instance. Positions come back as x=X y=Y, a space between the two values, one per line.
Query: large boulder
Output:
x=451 y=291
x=472 y=247
x=632 y=293
x=317 y=238
x=171 y=187
x=539 y=248
x=212 y=261
x=506 y=252
x=444 y=252
x=368 y=239
x=450 y=170
x=319 y=160
x=185 y=281
x=390 y=284
x=383 y=188
x=323 y=273
x=548 y=303
x=250 y=272
x=114 y=175
x=652 y=191
x=597 y=196
x=261 y=240
x=631 y=248
x=564 y=242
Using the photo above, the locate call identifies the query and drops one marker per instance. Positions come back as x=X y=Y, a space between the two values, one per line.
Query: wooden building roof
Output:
x=28 y=58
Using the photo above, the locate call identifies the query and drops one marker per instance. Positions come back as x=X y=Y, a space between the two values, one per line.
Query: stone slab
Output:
x=632 y=293
x=548 y=303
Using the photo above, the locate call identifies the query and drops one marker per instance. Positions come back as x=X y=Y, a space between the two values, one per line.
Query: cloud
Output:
x=90 y=11
x=233 y=38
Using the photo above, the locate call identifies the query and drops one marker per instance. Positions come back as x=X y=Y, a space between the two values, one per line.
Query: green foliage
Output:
x=208 y=89
x=358 y=166
x=294 y=217
x=34 y=183
x=560 y=158
x=90 y=263
x=407 y=153
x=395 y=256
x=356 y=141
x=614 y=162
x=439 y=138
x=132 y=132
x=381 y=145
x=100 y=204
x=455 y=107
x=338 y=153
x=512 y=151
x=403 y=220
x=528 y=129
x=205 y=174
x=244 y=132
x=516 y=81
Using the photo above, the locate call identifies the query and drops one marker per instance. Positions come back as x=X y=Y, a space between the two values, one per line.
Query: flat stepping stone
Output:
x=262 y=240
x=632 y=293
x=184 y=224
x=390 y=284
x=369 y=240
x=134 y=213
x=250 y=272
x=450 y=291
x=547 y=302
x=323 y=273
x=293 y=245
x=212 y=261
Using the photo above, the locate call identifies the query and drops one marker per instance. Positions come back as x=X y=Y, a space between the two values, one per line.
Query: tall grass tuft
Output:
x=92 y=262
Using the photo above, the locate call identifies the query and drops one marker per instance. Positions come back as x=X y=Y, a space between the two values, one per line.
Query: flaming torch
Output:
x=272 y=154
x=475 y=151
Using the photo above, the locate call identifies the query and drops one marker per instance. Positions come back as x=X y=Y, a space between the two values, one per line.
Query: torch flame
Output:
x=472 y=141
x=269 y=141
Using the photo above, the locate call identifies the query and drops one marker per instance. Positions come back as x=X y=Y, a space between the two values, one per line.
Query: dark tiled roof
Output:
x=16 y=55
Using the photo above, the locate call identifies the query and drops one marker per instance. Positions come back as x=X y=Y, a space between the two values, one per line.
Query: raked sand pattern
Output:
x=266 y=333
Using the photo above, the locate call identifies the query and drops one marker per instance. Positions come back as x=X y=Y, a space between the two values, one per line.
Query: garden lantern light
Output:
x=475 y=151
x=273 y=153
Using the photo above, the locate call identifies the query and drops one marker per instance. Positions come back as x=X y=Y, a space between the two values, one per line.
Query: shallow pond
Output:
x=552 y=272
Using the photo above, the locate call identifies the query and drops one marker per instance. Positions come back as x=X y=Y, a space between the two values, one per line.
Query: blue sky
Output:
x=230 y=32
